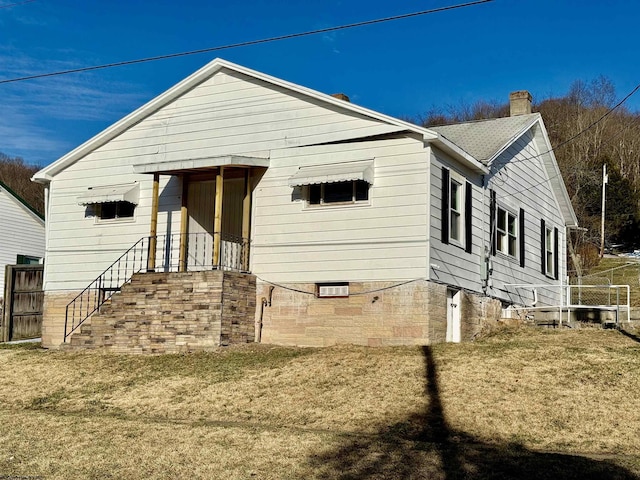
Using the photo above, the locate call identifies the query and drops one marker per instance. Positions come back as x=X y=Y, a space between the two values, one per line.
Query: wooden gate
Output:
x=23 y=299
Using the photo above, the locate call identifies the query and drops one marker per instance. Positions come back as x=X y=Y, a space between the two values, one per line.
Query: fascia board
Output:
x=198 y=163
x=426 y=133
x=559 y=185
x=46 y=174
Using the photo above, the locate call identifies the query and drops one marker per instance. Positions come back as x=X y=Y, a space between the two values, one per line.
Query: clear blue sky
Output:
x=400 y=68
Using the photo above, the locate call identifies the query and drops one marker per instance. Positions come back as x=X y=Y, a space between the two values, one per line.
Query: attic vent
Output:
x=332 y=289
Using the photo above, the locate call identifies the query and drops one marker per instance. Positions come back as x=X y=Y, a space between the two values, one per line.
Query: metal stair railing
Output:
x=233 y=256
x=87 y=302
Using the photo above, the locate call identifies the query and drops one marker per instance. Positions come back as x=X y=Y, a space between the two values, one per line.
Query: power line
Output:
x=16 y=4
x=247 y=43
x=532 y=157
x=584 y=130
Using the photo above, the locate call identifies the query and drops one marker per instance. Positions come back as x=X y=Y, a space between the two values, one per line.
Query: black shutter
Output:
x=543 y=250
x=445 y=205
x=556 y=254
x=468 y=218
x=492 y=221
x=521 y=236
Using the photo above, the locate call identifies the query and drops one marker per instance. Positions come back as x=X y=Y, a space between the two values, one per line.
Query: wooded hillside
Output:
x=16 y=174
x=585 y=135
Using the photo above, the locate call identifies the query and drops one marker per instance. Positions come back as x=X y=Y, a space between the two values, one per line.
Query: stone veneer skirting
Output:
x=163 y=313
x=375 y=314
x=179 y=312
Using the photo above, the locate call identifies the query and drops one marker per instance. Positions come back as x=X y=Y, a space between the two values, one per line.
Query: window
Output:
x=456 y=220
x=455 y=212
x=549 y=253
x=113 y=210
x=506 y=232
x=338 y=192
x=27 y=260
x=549 y=250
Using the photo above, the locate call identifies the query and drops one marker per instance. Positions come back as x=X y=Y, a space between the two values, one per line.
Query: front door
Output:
x=453 y=315
x=200 y=205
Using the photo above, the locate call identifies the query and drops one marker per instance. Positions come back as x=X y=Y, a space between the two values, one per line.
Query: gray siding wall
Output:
x=450 y=263
x=520 y=181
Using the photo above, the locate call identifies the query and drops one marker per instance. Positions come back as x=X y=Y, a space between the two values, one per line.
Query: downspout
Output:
x=563 y=273
x=485 y=253
x=46 y=233
x=264 y=302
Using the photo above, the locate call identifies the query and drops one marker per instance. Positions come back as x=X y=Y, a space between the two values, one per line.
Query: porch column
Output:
x=217 y=217
x=153 y=235
x=184 y=221
x=246 y=220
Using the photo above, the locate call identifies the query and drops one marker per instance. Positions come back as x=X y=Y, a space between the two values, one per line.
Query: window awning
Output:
x=113 y=193
x=335 y=172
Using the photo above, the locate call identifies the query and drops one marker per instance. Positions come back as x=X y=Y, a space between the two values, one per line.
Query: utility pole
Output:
x=605 y=180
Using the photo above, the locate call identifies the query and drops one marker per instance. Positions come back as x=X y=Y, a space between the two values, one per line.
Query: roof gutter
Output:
x=44 y=179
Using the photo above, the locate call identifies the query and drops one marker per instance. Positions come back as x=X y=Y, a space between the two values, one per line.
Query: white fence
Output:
x=606 y=303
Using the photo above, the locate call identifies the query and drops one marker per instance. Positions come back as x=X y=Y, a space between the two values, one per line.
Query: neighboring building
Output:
x=21 y=232
x=355 y=226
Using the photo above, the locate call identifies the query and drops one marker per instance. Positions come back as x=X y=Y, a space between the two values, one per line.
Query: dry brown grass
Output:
x=519 y=404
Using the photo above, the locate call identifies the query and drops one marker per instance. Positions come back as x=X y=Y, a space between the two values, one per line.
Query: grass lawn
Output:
x=527 y=403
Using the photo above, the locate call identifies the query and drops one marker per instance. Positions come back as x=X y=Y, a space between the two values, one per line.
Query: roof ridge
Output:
x=481 y=120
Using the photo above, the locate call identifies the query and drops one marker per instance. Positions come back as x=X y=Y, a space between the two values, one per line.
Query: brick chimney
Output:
x=341 y=96
x=519 y=103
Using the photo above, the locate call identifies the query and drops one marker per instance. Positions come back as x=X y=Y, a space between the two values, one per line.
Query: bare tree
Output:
x=16 y=174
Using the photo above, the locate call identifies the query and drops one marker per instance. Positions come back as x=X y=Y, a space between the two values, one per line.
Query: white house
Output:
x=21 y=232
x=348 y=225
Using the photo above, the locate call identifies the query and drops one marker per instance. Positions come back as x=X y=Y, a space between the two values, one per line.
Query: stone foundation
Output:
x=179 y=312
x=374 y=313
x=479 y=314
x=53 y=316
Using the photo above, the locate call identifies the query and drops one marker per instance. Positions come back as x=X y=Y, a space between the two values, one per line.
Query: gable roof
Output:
x=46 y=174
x=485 y=139
x=22 y=203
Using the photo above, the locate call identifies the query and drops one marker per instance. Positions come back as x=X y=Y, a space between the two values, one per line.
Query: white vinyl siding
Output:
x=226 y=114
x=21 y=233
x=382 y=239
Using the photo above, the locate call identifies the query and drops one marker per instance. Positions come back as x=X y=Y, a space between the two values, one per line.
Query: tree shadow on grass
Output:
x=425 y=447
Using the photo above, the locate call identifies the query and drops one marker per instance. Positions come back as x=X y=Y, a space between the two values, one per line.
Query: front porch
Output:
x=213 y=241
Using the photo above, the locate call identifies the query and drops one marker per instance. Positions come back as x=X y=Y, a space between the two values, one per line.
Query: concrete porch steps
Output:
x=172 y=313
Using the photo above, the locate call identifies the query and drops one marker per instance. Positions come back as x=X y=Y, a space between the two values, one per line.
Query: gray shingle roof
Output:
x=484 y=138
